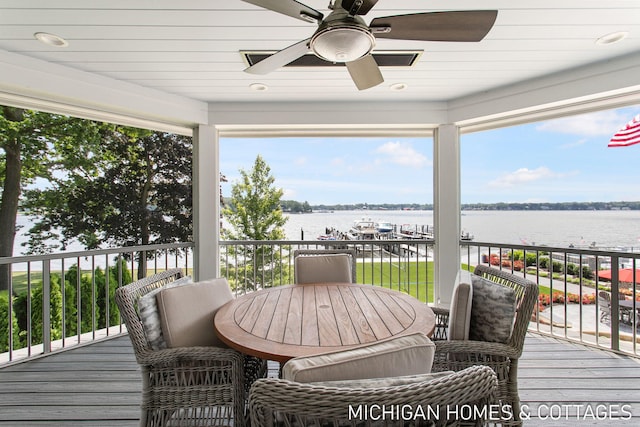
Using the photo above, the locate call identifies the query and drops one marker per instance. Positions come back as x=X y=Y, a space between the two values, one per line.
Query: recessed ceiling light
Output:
x=612 y=38
x=258 y=87
x=51 y=39
x=398 y=86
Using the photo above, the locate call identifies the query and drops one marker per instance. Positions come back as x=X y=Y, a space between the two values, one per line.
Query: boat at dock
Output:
x=367 y=229
x=363 y=229
x=384 y=227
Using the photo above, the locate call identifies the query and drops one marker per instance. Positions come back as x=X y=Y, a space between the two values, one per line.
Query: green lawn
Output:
x=411 y=277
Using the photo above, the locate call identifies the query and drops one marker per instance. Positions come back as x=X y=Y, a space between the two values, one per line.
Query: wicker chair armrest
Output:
x=180 y=355
x=475 y=347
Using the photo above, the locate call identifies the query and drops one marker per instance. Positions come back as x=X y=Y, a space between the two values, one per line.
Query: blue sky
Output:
x=559 y=160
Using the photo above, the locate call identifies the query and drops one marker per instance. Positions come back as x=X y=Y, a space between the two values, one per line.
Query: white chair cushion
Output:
x=406 y=355
x=323 y=268
x=149 y=316
x=493 y=311
x=460 y=310
x=186 y=312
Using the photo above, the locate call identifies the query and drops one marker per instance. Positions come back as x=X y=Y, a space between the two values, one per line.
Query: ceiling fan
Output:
x=343 y=36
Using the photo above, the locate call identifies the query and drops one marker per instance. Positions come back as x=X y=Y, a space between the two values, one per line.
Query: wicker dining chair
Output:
x=324 y=265
x=502 y=357
x=203 y=386
x=442 y=399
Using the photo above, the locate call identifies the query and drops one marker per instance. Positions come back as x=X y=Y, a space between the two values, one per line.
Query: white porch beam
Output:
x=446 y=210
x=32 y=83
x=327 y=118
x=206 y=202
x=608 y=84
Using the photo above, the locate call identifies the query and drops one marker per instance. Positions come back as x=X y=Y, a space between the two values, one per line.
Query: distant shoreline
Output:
x=501 y=206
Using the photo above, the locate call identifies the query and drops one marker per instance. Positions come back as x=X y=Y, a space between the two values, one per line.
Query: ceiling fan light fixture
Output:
x=342 y=44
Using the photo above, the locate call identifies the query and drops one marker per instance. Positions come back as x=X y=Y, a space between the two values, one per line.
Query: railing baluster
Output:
x=46 y=307
x=78 y=301
x=29 y=313
x=93 y=297
x=107 y=284
x=615 y=305
x=63 y=289
x=10 y=313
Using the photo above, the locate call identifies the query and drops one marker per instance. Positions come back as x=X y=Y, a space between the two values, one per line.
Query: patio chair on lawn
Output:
x=488 y=320
x=324 y=265
x=604 y=303
x=188 y=376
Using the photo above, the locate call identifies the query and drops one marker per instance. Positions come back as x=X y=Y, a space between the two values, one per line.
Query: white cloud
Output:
x=603 y=123
x=288 y=194
x=525 y=176
x=300 y=161
x=402 y=154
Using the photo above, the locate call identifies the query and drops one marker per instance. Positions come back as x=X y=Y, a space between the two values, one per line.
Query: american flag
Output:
x=628 y=135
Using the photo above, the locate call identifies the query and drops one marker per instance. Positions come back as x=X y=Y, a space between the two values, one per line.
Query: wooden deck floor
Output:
x=99 y=385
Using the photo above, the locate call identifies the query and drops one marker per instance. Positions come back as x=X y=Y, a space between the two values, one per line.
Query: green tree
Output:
x=37 y=304
x=37 y=145
x=142 y=196
x=254 y=213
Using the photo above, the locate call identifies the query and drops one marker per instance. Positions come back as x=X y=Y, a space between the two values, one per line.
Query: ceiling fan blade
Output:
x=455 y=26
x=358 y=7
x=291 y=8
x=365 y=72
x=280 y=58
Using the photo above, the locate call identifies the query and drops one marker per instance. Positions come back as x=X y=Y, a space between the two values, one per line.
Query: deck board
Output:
x=99 y=385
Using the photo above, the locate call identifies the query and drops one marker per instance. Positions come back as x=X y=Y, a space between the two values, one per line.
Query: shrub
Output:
x=558 y=298
x=71 y=304
x=587 y=273
x=530 y=259
x=543 y=262
x=4 y=325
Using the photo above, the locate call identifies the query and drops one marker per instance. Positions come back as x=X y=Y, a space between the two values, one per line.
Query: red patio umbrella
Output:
x=624 y=274
x=628 y=135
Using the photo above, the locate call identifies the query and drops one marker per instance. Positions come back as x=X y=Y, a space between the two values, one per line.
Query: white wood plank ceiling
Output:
x=192 y=48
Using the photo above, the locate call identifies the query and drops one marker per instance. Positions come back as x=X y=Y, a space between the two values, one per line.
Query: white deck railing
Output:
x=47 y=316
x=406 y=265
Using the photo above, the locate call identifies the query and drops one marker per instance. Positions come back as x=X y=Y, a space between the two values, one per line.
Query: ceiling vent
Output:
x=396 y=58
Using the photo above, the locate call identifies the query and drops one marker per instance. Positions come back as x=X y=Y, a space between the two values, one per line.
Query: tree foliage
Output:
x=253 y=213
x=141 y=195
x=37 y=145
x=296 y=207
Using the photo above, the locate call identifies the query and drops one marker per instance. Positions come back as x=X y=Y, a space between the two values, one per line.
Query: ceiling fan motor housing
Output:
x=342 y=38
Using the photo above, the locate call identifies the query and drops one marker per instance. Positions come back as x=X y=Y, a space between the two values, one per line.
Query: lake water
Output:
x=608 y=229
x=611 y=229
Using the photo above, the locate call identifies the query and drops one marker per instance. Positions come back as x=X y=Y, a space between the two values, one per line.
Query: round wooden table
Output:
x=298 y=320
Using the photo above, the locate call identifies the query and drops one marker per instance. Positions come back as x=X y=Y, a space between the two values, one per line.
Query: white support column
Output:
x=446 y=211
x=206 y=202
